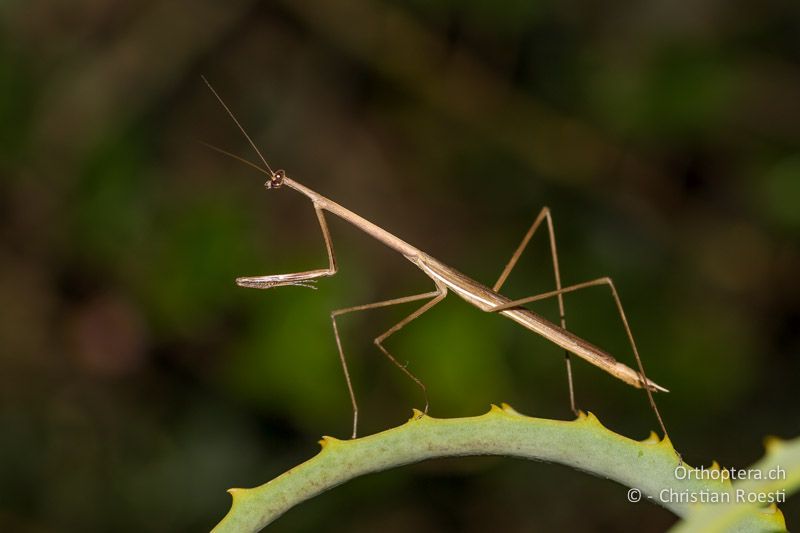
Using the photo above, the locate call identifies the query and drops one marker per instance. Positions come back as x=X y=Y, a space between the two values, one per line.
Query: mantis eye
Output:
x=275 y=180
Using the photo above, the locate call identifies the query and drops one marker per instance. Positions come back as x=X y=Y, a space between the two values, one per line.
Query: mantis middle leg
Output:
x=436 y=296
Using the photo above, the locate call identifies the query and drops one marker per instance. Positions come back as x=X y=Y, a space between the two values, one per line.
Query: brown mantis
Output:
x=446 y=278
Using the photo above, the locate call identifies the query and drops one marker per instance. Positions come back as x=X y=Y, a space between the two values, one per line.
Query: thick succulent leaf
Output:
x=584 y=443
x=781 y=462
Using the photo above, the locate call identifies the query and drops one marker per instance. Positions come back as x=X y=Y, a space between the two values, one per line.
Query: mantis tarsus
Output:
x=446 y=278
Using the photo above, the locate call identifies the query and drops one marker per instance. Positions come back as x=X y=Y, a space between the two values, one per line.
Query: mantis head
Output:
x=275 y=179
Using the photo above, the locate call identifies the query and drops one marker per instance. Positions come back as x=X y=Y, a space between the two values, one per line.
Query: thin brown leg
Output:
x=397 y=327
x=437 y=296
x=544 y=215
x=297 y=279
x=594 y=283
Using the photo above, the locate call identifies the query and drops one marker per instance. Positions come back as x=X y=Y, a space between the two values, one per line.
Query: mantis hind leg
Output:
x=544 y=216
x=594 y=283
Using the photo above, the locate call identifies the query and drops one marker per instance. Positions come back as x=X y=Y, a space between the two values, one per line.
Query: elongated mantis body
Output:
x=446 y=278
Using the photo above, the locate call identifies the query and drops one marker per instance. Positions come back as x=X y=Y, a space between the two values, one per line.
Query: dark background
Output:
x=138 y=382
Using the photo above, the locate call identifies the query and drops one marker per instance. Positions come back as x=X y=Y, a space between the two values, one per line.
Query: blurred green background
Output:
x=138 y=382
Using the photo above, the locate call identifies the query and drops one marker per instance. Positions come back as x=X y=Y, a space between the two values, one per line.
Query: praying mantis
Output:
x=446 y=279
